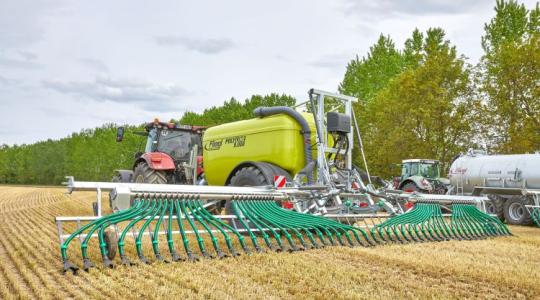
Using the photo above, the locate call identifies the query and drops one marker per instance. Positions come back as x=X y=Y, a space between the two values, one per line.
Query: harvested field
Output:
x=30 y=265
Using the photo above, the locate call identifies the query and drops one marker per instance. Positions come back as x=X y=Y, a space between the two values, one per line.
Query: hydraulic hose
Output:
x=306 y=130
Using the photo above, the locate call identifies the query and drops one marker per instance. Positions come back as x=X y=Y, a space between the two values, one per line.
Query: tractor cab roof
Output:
x=420 y=160
x=173 y=126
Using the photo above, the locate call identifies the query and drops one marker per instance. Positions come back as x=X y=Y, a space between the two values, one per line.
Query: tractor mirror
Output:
x=119 y=134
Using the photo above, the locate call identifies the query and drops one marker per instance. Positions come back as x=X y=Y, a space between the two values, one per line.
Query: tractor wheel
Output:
x=247 y=176
x=144 y=174
x=495 y=206
x=111 y=240
x=410 y=187
x=515 y=212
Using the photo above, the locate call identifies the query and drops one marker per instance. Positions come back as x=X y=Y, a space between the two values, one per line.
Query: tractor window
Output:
x=429 y=170
x=405 y=170
x=414 y=169
x=177 y=144
x=151 y=141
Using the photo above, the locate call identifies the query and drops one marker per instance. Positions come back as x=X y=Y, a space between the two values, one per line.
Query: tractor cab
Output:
x=422 y=175
x=172 y=154
x=175 y=140
x=428 y=169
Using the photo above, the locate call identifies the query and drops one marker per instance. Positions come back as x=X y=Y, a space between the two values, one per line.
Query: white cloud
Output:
x=95 y=64
x=158 y=97
x=18 y=59
x=68 y=65
x=205 y=46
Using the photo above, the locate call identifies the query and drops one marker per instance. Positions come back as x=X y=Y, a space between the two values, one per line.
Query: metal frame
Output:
x=217 y=193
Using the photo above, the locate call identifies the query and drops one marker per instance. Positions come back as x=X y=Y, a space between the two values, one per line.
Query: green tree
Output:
x=233 y=110
x=365 y=77
x=510 y=78
x=425 y=110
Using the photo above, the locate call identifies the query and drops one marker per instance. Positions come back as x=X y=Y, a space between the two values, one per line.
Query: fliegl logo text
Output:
x=213 y=145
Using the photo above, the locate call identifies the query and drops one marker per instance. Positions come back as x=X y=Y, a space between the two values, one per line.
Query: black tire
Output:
x=410 y=187
x=247 y=176
x=144 y=174
x=495 y=206
x=515 y=212
x=111 y=240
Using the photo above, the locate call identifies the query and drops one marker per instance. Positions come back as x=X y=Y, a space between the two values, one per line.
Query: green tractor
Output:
x=421 y=175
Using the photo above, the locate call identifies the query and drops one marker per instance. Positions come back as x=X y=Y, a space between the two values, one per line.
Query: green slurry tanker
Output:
x=287 y=183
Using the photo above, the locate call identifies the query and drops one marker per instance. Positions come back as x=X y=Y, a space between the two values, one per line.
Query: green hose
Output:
x=425 y=222
x=138 y=240
x=201 y=221
x=218 y=224
x=200 y=240
x=274 y=223
x=155 y=236
x=535 y=215
x=190 y=255
x=149 y=208
x=259 y=224
x=253 y=238
x=138 y=207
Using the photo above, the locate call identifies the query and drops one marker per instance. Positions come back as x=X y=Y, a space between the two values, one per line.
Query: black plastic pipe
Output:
x=306 y=130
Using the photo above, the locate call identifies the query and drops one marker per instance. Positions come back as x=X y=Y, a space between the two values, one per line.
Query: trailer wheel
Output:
x=247 y=176
x=144 y=174
x=515 y=212
x=495 y=206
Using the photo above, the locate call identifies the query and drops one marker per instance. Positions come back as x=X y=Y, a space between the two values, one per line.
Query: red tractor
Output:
x=173 y=154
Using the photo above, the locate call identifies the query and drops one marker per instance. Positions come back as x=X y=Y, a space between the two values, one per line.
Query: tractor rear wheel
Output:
x=495 y=206
x=247 y=176
x=144 y=174
x=515 y=212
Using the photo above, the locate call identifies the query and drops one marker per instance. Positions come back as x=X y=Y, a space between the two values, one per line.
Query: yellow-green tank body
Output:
x=274 y=139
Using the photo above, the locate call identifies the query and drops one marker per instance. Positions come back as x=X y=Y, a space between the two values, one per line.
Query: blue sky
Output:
x=68 y=65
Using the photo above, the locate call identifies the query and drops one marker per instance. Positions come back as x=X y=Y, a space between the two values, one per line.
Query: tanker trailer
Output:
x=512 y=182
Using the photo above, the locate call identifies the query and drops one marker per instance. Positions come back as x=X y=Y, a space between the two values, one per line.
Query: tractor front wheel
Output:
x=144 y=174
x=410 y=187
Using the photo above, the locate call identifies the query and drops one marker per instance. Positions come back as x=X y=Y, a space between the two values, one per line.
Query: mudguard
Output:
x=421 y=182
x=267 y=169
x=157 y=161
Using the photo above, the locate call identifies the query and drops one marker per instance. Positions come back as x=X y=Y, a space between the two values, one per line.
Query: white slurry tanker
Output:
x=512 y=182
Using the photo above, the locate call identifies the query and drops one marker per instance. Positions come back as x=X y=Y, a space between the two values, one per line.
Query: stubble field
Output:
x=30 y=265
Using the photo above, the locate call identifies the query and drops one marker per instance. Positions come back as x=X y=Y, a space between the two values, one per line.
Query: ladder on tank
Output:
x=459 y=185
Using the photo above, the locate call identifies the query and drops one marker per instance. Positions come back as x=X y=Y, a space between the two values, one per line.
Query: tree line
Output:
x=94 y=154
x=426 y=100
x=422 y=100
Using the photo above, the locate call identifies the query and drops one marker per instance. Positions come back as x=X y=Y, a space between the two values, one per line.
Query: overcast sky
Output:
x=68 y=65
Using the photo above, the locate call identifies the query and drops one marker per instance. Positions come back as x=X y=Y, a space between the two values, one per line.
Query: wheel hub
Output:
x=516 y=211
